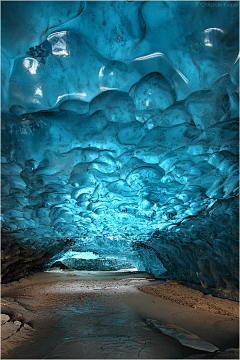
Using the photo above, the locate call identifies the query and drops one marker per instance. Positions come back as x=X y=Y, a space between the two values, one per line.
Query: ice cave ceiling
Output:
x=120 y=137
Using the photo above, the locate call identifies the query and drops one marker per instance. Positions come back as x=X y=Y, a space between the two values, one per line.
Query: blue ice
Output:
x=120 y=134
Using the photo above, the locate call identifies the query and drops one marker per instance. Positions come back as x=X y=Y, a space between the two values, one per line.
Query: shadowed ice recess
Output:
x=120 y=138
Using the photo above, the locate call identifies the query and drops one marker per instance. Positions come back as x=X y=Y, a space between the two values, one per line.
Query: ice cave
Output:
x=119 y=155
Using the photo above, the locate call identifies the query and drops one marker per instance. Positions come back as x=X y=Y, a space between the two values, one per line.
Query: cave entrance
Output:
x=94 y=263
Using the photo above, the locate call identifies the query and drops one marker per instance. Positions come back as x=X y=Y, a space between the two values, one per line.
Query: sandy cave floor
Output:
x=74 y=315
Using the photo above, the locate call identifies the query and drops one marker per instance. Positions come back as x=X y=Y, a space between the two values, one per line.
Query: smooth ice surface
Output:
x=183 y=336
x=120 y=137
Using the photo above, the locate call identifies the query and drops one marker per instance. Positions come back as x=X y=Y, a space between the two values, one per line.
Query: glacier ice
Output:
x=120 y=138
x=153 y=91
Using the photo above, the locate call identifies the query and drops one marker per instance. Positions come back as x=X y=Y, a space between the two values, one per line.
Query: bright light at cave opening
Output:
x=88 y=255
x=110 y=262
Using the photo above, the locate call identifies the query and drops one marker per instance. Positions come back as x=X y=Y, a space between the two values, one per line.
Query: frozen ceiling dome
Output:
x=120 y=138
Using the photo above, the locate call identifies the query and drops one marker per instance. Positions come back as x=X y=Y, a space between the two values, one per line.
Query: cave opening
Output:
x=120 y=173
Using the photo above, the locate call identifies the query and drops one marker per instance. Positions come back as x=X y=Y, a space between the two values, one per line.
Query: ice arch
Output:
x=120 y=138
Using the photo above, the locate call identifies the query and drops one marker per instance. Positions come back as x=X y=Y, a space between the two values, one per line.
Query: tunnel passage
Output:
x=120 y=138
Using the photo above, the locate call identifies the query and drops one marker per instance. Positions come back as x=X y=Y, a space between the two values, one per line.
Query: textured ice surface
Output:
x=120 y=136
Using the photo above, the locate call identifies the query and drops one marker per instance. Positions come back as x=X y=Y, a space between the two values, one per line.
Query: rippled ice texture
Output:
x=120 y=135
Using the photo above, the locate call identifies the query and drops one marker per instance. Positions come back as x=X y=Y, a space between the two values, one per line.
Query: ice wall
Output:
x=120 y=137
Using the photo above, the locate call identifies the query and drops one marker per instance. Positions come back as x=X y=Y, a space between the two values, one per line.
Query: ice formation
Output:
x=120 y=137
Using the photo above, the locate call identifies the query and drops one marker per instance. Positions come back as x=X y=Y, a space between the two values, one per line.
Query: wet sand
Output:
x=75 y=316
x=176 y=292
